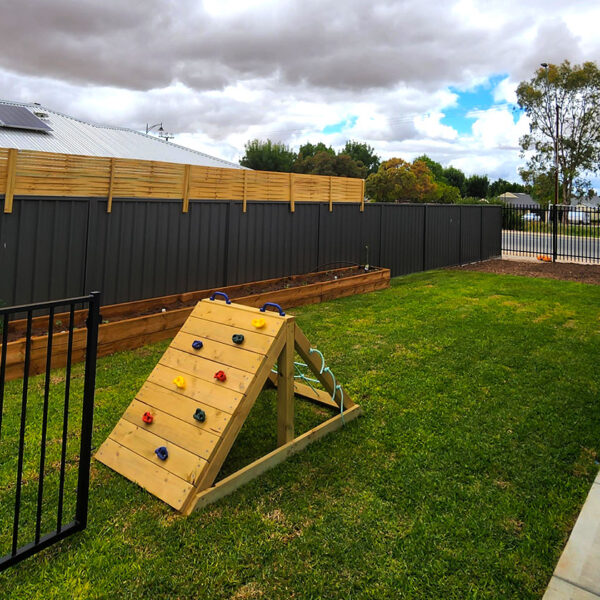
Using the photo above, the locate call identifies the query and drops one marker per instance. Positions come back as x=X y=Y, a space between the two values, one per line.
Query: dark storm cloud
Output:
x=351 y=45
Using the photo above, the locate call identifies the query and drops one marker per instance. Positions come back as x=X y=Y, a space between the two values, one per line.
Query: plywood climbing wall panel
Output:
x=176 y=433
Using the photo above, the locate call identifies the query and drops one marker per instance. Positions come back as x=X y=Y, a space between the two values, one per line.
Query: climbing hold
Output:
x=237 y=338
x=200 y=415
x=179 y=381
x=197 y=344
x=275 y=306
x=162 y=453
x=147 y=417
x=220 y=376
x=227 y=300
x=259 y=323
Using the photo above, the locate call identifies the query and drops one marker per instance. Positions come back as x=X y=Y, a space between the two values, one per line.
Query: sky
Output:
x=407 y=77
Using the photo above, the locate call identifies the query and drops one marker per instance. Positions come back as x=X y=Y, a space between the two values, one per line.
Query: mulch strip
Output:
x=558 y=270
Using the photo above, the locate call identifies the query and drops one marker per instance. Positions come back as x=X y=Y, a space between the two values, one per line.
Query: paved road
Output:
x=569 y=246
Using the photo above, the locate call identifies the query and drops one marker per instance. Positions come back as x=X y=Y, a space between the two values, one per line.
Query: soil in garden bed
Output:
x=558 y=270
x=174 y=304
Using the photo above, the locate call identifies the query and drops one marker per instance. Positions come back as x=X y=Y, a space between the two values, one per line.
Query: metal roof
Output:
x=74 y=136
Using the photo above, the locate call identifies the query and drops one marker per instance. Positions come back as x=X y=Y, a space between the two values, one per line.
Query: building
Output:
x=35 y=127
x=518 y=199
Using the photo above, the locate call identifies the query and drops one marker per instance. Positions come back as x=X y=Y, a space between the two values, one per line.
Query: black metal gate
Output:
x=552 y=233
x=45 y=422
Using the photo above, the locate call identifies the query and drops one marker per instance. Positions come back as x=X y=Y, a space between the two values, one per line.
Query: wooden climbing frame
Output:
x=176 y=434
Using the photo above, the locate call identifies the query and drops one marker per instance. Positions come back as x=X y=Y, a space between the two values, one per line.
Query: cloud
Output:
x=220 y=72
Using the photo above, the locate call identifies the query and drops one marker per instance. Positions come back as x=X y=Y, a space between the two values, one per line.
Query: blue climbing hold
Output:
x=237 y=338
x=162 y=453
x=275 y=306
x=197 y=344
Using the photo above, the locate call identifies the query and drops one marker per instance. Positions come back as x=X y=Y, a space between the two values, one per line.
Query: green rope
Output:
x=300 y=375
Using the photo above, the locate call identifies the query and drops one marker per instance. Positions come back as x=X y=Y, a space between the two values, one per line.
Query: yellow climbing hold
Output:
x=179 y=381
x=259 y=323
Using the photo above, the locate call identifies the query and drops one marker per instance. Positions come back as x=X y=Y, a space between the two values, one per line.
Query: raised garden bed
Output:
x=134 y=324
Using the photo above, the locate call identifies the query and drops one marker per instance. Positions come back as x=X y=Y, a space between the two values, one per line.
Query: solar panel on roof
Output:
x=18 y=117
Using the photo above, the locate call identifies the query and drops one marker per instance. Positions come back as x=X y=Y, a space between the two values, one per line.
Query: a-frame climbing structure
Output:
x=177 y=432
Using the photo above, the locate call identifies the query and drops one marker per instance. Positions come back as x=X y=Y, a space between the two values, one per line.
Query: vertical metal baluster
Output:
x=87 y=419
x=38 y=518
x=63 y=452
x=15 y=533
x=3 y=365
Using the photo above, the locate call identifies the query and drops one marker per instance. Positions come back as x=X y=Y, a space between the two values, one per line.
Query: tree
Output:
x=362 y=153
x=573 y=94
x=399 y=181
x=325 y=163
x=455 y=177
x=501 y=186
x=268 y=156
x=308 y=149
x=541 y=185
x=477 y=186
x=435 y=167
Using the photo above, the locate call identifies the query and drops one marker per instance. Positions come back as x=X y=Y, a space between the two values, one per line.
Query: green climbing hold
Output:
x=200 y=415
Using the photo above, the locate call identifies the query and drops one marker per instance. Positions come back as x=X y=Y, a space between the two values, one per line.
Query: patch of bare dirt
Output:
x=558 y=270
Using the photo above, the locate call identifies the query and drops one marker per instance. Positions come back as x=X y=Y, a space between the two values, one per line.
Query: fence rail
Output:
x=45 y=438
x=32 y=173
x=554 y=233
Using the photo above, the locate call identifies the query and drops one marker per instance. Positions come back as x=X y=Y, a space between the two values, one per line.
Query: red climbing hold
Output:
x=220 y=376
x=147 y=417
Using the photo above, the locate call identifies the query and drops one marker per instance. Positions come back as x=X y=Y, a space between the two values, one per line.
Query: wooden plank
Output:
x=203 y=368
x=330 y=198
x=305 y=391
x=197 y=389
x=254 y=342
x=153 y=478
x=11 y=170
x=226 y=354
x=292 y=199
x=313 y=360
x=111 y=185
x=186 y=189
x=285 y=387
x=252 y=471
x=237 y=317
x=245 y=199
x=181 y=433
x=144 y=441
x=182 y=407
x=362 y=196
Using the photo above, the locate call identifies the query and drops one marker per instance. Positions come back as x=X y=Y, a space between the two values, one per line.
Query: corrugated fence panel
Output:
x=491 y=232
x=442 y=236
x=340 y=239
x=52 y=248
x=151 y=248
x=269 y=241
x=470 y=233
x=42 y=250
x=402 y=237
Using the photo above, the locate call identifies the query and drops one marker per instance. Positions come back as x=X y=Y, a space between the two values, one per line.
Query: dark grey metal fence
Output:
x=46 y=435
x=557 y=232
x=58 y=247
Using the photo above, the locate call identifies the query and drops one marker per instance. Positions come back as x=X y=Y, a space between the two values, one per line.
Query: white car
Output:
x=532 y=218
x=578 y=216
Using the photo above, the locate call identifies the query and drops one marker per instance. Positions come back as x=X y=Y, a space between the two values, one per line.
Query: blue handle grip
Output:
x=227 y=300
x=264 y=307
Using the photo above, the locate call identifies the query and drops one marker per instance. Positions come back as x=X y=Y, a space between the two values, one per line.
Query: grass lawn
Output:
x=463 y=479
